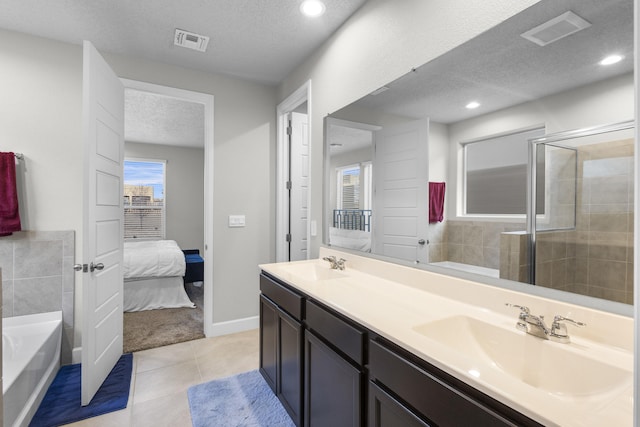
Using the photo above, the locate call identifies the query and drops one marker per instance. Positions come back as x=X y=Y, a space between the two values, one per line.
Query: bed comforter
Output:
x=157 y=258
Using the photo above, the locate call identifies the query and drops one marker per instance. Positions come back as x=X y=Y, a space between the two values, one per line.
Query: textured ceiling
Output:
x=344 y=139
x=260 y=40
x=157 y=119
x=501 y=69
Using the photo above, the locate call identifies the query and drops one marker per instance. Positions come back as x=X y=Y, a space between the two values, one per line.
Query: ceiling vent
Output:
x=557 y=28
x=190 y=40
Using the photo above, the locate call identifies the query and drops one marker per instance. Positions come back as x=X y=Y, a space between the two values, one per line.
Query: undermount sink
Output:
x=313 y=271
x=542 y=364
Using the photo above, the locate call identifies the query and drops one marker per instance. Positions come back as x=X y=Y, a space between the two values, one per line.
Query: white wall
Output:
x=184 y=190
x=606 y=102
x=382 y=41
x=40 y=115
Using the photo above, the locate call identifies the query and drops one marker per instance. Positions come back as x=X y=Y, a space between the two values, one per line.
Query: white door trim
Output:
x=297 y=98
x=207 y=101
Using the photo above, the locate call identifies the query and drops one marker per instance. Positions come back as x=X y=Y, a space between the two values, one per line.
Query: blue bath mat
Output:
x=61 y=405
x=242 y=400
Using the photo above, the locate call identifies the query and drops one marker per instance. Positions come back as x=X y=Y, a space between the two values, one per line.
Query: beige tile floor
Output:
x=161 y=377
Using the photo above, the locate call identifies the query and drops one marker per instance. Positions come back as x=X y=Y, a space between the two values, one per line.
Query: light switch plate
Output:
x=236 y=221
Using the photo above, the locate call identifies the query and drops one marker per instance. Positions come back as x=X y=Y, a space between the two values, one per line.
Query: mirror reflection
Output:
x=510 y=156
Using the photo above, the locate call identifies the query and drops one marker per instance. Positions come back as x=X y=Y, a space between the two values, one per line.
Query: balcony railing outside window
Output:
x=352 y=219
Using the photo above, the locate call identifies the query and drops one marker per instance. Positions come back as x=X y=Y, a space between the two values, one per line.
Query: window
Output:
x=144 y=199
x=496 y=174
x=354 y=197
x=354 y=186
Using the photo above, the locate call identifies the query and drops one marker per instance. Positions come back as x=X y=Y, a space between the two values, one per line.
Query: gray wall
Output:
x=184 y=190
x=41 y=116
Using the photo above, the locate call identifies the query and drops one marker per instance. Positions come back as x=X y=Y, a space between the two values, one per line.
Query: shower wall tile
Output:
x=68 y=273
x=37 y=295
x=615 y=251
x=37 y=259
x=455 y=252
x=609 y=223
x=491 y=257
x=67 y=309
x=477 y=242
x=473 y=235
x=7 y=296
x=608 y=274
x=6 y=259
x=455 y=232
x=473 y=255
x=38 y=276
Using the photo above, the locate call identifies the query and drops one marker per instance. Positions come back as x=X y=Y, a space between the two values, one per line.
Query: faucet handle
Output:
x=559 y=328
x=557 y=319
x=523 y=309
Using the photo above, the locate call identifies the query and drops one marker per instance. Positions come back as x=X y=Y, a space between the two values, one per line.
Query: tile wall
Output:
x=38 y=277
x=596 y=259
x=470 y=242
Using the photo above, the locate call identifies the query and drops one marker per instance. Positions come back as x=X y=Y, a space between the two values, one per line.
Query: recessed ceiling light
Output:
x=472 y=105
x=312 y=8
x=611 y=59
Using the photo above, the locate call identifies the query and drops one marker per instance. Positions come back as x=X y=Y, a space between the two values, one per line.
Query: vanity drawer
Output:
x=285 y=298
x=340 y=333
x=433 y=398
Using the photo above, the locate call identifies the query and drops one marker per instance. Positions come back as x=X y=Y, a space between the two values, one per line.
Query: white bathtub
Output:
x=30 y=361
x=491 y=272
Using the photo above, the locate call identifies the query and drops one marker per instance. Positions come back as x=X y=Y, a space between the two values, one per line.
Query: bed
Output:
x=350 y=239
x=153 y=273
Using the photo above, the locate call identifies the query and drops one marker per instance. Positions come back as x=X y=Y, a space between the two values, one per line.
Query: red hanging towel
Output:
x=9 y=210
x=436 y=201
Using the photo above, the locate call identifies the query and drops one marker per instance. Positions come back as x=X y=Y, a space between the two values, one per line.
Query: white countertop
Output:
x=394 y=301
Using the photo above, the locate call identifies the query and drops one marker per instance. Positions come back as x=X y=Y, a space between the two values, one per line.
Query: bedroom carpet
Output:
x=156 y=328
x=241 y=400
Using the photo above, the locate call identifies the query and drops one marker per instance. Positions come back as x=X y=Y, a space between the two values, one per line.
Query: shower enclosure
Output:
x=580 y=212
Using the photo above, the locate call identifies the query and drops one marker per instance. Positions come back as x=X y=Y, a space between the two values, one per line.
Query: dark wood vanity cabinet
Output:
x=421 y=395
x=281 y=344
x=387 y=411
x=329 y=371
x=334 y=377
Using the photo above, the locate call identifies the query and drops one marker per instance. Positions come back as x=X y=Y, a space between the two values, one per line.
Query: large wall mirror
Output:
x=508 y=159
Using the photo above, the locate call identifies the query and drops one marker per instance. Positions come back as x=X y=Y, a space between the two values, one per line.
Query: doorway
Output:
x=293 y=225
x=204 y=101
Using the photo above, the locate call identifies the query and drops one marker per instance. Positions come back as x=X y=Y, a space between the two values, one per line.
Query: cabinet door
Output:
x=290 y=348
x=268 y=341
x=333 y=387
x=385 y=411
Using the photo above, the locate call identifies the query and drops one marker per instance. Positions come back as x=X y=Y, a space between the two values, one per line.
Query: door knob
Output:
x=422 y=241
x=98 y=266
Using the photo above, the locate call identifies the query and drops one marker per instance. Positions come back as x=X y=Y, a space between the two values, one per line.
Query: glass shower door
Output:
x=581 y=190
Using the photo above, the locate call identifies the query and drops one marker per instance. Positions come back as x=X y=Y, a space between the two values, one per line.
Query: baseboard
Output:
x=232 y=326
x=76 y=355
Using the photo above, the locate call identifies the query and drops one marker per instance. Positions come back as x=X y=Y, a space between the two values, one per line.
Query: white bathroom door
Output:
x=103 y=143
x=401 y=191
x=299 y=199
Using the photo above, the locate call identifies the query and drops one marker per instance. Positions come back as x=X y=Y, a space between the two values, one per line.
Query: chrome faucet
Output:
x=335 y=264
x=535 y=325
